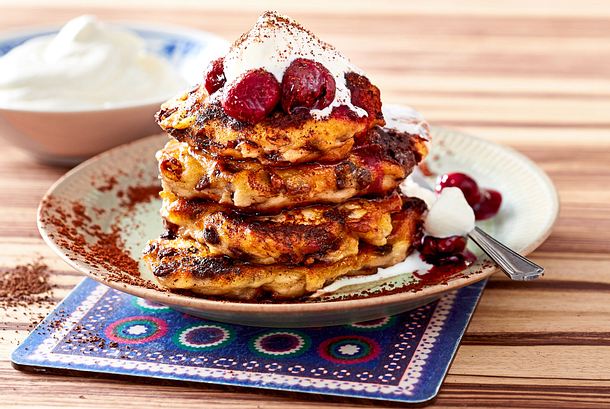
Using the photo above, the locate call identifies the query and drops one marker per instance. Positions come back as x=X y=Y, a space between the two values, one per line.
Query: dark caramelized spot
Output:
x=387 y=144
x=415 y=204
x=171 y=168
x=166 y=252
x=382 y=250
x=168 y=234
x=229 y=166
x=210 y=267
x=399 y=147
x=203 y=183
x=164 y=269
x=364 y=180
x=313 y=239
x=164 y=113
x=343 y=174
x=171 y=230
x=239 y=254
x=211 y=235
x=273 y=157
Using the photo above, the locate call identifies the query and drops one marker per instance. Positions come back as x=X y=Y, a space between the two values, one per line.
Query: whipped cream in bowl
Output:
x=67 y=93
x=88 y=64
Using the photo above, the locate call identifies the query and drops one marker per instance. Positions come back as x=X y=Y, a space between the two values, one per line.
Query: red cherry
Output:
x=215 y=76
x=252 y=97
x=434 y=249
x=465 y=183
x=489 y=205
x=307 y=84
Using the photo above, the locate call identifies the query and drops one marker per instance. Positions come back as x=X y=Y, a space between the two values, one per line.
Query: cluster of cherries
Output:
x=484 y=202
x=306 y=84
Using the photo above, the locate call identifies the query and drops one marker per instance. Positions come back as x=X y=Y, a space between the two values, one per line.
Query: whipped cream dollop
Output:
x=449 y=214
x=273 y=43
x=88 y=64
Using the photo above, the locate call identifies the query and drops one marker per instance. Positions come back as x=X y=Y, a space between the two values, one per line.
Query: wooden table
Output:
x=532 y=75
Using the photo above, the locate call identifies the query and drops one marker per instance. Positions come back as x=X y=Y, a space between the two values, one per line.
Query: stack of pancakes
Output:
x=245 y=227
x=282 y=207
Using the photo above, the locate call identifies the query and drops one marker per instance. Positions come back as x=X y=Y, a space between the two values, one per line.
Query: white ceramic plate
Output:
x=527 y=215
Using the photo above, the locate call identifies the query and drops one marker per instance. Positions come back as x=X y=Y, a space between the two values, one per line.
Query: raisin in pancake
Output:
x=302 y=235
x=181 y=263
x=376 y=165
x=280 y=138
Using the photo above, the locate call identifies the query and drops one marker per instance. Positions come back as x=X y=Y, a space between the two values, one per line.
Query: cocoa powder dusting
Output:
x=110 y=248
x=103 y=249
x=108 y=185
x=25 y=285
x=139 y=194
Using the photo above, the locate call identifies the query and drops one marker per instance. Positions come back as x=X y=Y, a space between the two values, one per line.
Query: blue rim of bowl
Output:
x=19 y=36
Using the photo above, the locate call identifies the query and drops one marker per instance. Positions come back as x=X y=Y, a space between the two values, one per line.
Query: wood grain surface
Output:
x=534 y=75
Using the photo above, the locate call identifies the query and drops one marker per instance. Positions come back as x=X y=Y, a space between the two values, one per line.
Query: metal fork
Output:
x=514 y=265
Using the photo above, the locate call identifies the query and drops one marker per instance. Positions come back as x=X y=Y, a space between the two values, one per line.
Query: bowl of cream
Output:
x=67 y=93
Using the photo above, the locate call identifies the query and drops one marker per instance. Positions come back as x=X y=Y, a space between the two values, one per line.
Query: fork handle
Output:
x=514 y=265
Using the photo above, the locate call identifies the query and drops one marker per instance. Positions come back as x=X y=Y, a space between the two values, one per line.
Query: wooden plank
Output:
x=519 y=8
x=532 y=75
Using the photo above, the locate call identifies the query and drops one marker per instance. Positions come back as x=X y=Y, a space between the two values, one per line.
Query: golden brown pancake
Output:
x=376 y=165
x=280 y=138
x=185 y=264
x=302 y=235
x=280 y=177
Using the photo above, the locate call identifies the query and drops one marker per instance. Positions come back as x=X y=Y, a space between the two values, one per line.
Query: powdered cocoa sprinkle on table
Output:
x=24 y=285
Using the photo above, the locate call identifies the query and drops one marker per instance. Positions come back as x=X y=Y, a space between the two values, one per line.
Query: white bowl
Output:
x=70 y=136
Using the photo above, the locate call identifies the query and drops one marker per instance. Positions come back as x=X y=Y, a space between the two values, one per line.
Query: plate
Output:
x=104 y=199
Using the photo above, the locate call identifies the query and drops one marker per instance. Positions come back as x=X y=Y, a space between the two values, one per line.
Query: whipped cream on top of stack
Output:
x=273 y=43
